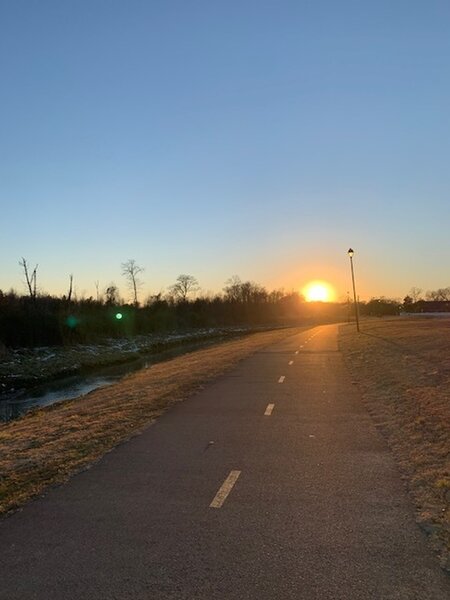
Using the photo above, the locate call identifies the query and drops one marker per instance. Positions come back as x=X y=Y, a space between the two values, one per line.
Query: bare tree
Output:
x=414 y=294
x=441 y=294
x=185 y=285
x=153 y=299
x=30 y=280
x=131 y=270
x=69 y=294
x=112 y=294
x=232 y=288
x=244 y=291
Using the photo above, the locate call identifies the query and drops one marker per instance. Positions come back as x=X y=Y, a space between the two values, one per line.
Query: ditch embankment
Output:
x=33 y=377
x=25 y=367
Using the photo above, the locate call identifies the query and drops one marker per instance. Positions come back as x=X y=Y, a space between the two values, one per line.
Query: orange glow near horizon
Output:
x=318 y=291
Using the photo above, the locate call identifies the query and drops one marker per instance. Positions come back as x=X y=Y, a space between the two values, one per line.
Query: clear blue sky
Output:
x=217 y=138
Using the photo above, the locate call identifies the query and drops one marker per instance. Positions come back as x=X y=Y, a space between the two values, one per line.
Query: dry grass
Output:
x=402 y=366
x=49 y=445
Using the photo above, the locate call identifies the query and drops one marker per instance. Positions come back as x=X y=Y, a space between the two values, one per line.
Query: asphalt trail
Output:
x=256 y=488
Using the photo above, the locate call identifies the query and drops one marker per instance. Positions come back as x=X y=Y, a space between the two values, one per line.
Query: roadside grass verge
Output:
x=402 y=367
x=48 y=445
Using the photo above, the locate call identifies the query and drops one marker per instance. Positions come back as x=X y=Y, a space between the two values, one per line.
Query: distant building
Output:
x=430 y=306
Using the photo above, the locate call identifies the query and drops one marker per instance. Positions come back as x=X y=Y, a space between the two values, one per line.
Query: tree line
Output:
x=48 y=320
x=36 y=318
x=418 y=295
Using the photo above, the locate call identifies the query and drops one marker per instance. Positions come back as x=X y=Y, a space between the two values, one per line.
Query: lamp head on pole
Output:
x=350 y=252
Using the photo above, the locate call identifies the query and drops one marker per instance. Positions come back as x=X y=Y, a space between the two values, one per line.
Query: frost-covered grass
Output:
x=25 y=367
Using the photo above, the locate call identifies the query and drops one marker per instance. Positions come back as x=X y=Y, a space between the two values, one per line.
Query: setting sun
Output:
x=318 y=291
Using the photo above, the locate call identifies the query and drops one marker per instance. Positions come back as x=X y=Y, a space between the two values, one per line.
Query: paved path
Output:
x=306 y=501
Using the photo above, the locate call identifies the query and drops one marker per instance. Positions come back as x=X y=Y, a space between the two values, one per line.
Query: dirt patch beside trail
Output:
x=402 y=366
x=49 y=445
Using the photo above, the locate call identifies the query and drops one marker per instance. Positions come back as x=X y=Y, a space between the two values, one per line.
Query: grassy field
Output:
x=49 y=445
x=402 y=366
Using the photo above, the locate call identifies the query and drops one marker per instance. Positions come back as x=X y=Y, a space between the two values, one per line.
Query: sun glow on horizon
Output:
x=318 y=291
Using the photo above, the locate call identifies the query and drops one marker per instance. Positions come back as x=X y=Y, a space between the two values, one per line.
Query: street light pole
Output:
x=348 y=307
x=350 y=254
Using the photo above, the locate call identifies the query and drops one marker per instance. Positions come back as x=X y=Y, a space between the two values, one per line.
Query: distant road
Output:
x=271 y=483
x=437 y=315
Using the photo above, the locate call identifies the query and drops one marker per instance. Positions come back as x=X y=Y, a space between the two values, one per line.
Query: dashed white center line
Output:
x=291 y=362
x=269 y=410
x=296 y=352
x=282 y=378
x=225 y=489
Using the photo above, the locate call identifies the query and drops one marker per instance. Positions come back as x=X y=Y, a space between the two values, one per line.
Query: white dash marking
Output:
x=269 y=410
x=225 y=489
x=282 y=378
x=296 y=352
x=291 y=362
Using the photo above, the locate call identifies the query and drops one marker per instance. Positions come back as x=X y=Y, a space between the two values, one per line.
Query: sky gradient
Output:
x=218 y=138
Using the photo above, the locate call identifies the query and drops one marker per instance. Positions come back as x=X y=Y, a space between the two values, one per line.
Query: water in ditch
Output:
x=67 y=388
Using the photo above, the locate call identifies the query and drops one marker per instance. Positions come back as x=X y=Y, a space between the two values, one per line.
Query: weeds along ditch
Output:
x=40 y=377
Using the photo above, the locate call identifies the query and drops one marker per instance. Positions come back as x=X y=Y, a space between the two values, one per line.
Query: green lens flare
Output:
x=71 y=321
x=119 y=316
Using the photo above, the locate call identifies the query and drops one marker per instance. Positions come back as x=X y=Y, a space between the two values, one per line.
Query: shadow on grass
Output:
x=403 y=349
